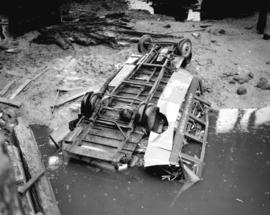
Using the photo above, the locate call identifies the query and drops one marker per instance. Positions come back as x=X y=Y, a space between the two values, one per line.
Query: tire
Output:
x=145 y=44
x=184 y=48
x=86 y=108
x=187 y=60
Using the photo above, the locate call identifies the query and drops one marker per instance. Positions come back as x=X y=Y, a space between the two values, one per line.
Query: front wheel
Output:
x=145 y=44
x=184 y=48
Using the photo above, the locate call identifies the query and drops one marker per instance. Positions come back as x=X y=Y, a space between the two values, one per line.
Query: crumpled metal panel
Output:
x=160 y=145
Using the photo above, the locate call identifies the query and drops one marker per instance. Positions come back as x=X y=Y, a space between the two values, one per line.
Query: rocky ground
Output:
x=227 y=54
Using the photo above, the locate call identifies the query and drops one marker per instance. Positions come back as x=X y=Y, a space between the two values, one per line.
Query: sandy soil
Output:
x=217 y=57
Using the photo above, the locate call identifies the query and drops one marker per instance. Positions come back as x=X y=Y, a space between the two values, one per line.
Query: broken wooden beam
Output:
x=33 y=164
x=25 y=187
x=6 y=88
x=27 y=82
x=20 y=88
x=10 y=102
x=71 y=98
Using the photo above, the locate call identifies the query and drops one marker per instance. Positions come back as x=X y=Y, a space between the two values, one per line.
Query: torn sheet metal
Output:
x=160 y=145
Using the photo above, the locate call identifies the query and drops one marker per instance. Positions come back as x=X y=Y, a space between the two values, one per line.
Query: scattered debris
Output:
x=66 y=89
x=239 y=200
x=229 y=74
x=167 y=26
x=52 y=37
x=13 y=50
x=241 y=90
x=249 y=27
x=196 y=35
x=25 y=187
x=263 y=84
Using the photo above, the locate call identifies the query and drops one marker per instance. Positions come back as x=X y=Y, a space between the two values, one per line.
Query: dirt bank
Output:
x=224 y=49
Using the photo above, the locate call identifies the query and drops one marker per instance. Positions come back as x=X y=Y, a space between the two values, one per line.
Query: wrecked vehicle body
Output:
x=150 y=113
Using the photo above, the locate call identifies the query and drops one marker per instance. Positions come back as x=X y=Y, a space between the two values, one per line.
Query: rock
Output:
x=229 y=74
x=1 y=66
x=241 y=90
x=222 y=31
x=207 y=90
x=241 y=79
x=196 y=35
x=167 y=26
x=263 y=84
x=249 y=27
x=251 y=75
x=267 y=62
x=232 y=82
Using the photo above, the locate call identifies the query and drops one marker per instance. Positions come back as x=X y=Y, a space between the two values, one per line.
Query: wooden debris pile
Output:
x=87 y=29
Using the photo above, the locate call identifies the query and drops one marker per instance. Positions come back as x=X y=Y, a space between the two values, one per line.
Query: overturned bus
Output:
x=151 y=113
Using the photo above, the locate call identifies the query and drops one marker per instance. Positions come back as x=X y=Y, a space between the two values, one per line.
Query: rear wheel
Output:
x=89 y=102
x=86 y=104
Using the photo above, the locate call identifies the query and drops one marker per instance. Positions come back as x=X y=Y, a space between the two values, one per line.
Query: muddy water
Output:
x=235 y=181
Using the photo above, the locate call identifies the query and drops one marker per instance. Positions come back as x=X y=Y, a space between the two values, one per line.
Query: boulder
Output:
x=241 y=90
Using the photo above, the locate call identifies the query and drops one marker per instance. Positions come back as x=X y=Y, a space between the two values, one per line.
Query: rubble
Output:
x=263 y=84
x=241 y=90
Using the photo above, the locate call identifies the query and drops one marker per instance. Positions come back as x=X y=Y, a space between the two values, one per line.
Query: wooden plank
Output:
x=32 y=161
x=20 y=88
x=71 y=98
x=67 y=89
x=6 y=88
x=26 y=83
x=45 y=69
x=10 y=102
x=19 y=174
x=25 y=187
